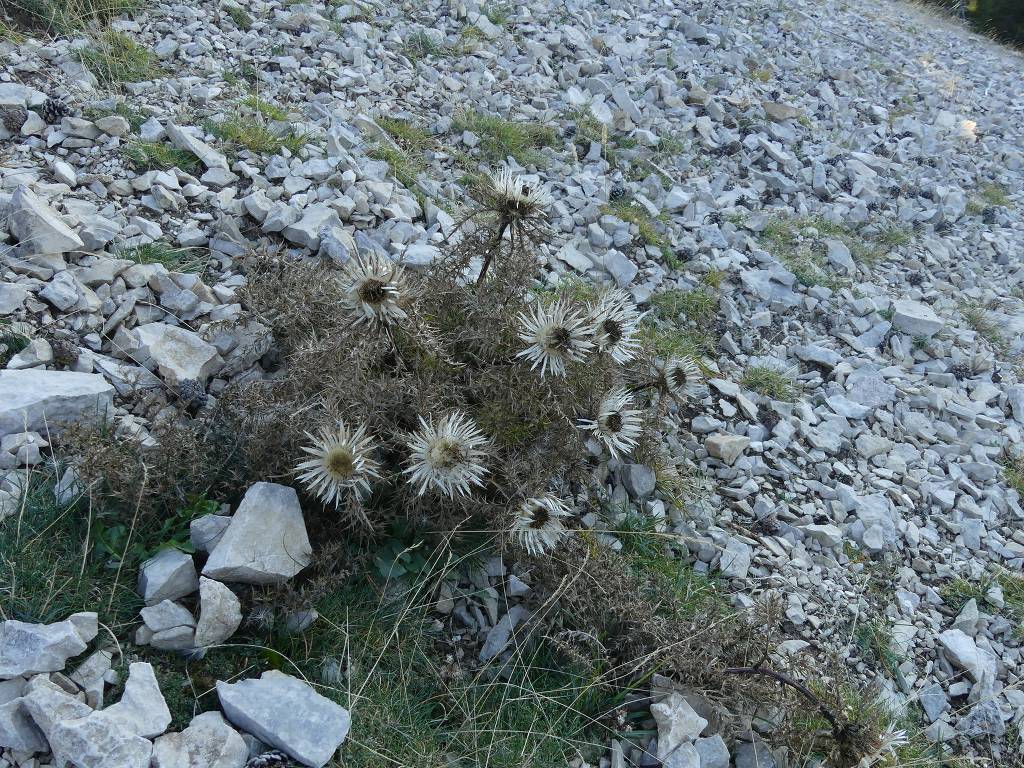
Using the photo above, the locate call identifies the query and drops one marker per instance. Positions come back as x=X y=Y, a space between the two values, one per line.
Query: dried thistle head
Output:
x=342 y=460
x=617 y=425
x=616 y=322
x=447 y=456
x=557 y=335
x=375 y=290
x=538 y=526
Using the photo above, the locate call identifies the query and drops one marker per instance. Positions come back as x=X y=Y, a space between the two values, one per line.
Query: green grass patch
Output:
x=976 y=316
x=115 y=58
x=240 y=132
x=406 y=134
x=647 y=229
x=265 y=108
x=239 y=16
x=498 y=14
x=411 y=705
x=11 y=343
x=158 y=156
x=994 y=194
x=677 y=342
x=50 y=566
x=9 y=34
x=501 y=138
x=768 y=381
x=957 y=593
x=159 y=252
x=64 y=17
x=699 y=305
x=799 y=243
x=420 y=45
x=403 y=167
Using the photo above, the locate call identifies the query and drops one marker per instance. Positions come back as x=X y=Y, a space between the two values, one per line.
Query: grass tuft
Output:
x=157 y=156
x=239 y=16
x=265 y=108
x=160 y=252
x=769 y=382
x=647 y=229
x=115 y=58
x=64 y=17
x=246 y=132
x=501 y=138
x=699 y=305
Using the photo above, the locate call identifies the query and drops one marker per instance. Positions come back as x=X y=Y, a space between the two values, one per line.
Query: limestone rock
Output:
x=208 y=742
x=266 y=542
x=728 y=448
x=286 y=713
x=27 y=649
x=36 y=400
x=38 y=228
x=167 y=575
x=220 y=613
x=677 y=721
x=142 y=707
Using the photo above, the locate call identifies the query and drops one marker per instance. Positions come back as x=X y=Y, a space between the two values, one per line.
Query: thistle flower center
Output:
x=613 y=330
x=340 y=463
x=446 y=454
x=373 y=291
x=680 y=377
x=539 y=516
x=613 y=422
x=559 y=338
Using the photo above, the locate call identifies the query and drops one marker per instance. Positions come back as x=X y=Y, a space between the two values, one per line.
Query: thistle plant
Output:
x=463 y=400
x=519 y=211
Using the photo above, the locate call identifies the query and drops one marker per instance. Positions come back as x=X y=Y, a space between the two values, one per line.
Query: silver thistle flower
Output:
x=512 y=197
x=448 y=457
x=538 y=527
x=557 y=335
x=615 y=324
x=374 y=289
x=889 y=742
x=342 y=460
x=681 y=377
x=618 y=425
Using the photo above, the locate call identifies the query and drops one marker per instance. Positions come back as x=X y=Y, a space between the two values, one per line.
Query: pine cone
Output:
x=13 y=117
x=65 y=352
x=192 y=393
x=53 y=110
x=962 y=371
x=272 y=759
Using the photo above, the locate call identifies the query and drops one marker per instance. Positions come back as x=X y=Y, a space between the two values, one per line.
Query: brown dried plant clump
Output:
x=479 y=392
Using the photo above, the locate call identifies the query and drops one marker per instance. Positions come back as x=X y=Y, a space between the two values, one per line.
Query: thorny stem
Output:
x=495 y=245
x=803 y=690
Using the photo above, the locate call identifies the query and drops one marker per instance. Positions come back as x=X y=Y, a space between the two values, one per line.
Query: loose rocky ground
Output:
x=825 y=199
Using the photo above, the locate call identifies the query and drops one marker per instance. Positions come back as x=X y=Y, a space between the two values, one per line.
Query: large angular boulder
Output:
x=266 y=542
x=81 y=736
x=916 y=319
x=39 y=229
x=286 y=713
x=35 y=400
x=208 y=742
x=29 y=649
